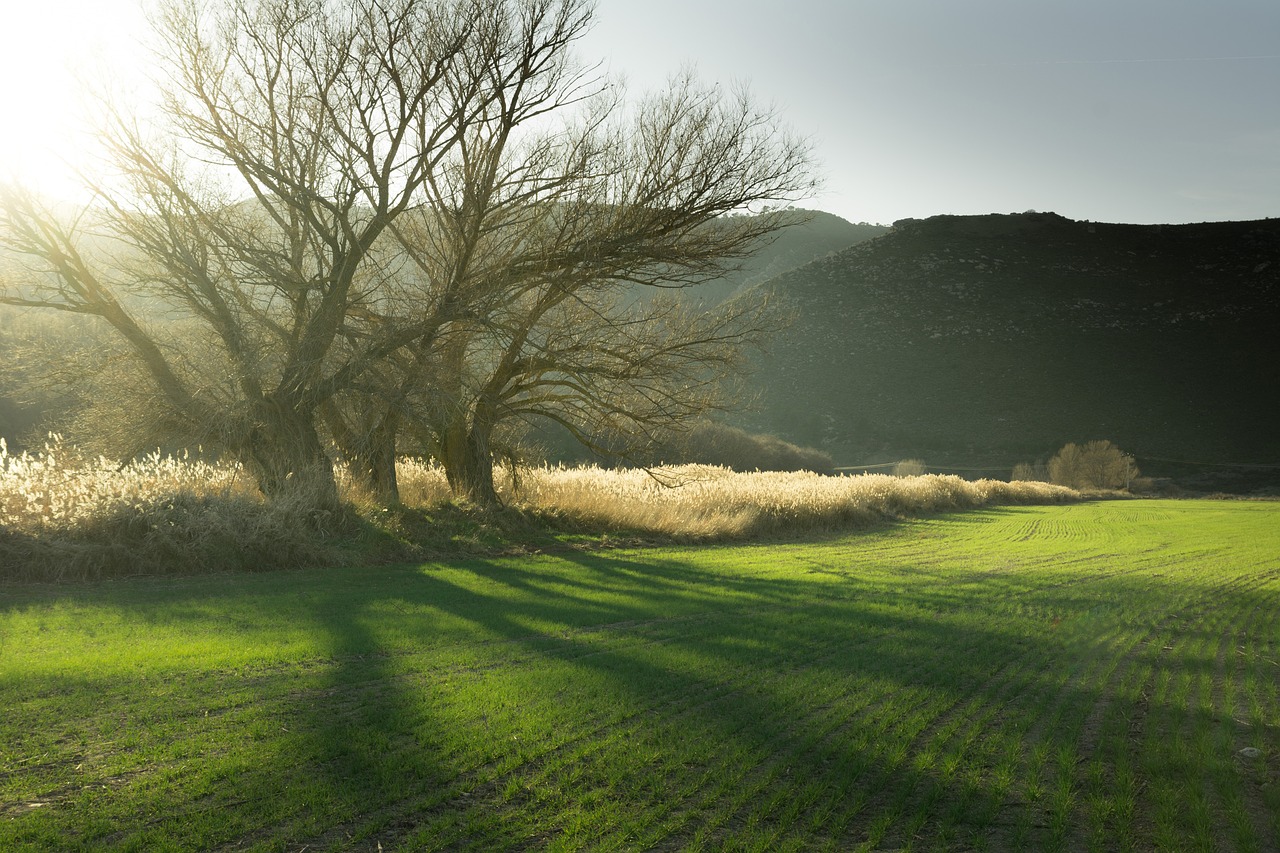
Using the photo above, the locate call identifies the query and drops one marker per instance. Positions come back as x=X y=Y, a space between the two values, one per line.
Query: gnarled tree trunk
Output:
x=367 y=448
x=374 y=465
x=284 y=453
x=468 y=460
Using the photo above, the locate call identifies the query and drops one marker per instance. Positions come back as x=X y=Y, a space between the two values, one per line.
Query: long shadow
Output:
x=380 y=749
x=724 y=707
x=752 y=719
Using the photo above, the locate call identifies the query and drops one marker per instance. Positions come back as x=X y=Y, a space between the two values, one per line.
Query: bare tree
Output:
x=1094 y=465
x=320 y=123
x=558 y=233
x=357 y=214
x=471 y=243
x=619 y=379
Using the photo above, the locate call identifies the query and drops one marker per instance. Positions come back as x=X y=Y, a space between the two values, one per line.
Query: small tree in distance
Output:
x=1095 y=465
x=1028 y=472
x=909 y=468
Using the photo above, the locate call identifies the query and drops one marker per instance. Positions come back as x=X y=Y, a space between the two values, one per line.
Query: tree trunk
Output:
x=367 y=449
x=373 y=463
x=284 y=453
x=468 y=463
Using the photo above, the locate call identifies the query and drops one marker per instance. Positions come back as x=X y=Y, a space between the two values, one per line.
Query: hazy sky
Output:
x=1110 y=110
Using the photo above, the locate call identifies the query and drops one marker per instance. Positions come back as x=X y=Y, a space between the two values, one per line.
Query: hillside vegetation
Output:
x=990 y=340
x=1095 y=676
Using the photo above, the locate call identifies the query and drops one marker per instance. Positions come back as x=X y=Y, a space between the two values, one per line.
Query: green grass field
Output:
x=1068 y=677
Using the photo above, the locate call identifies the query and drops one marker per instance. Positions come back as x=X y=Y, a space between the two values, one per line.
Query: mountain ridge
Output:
x=996 y=338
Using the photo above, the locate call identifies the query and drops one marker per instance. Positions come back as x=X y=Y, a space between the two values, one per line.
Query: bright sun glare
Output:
x=47 y=48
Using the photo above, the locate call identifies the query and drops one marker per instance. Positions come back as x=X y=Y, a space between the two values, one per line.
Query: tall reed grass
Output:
x=708 y=502
x=64 y=515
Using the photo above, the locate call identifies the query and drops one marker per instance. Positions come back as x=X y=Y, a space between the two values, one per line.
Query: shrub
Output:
x=909 y=468
x=1096 y=465
x=1027 y=472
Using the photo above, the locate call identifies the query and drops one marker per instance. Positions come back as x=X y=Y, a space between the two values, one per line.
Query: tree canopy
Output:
x=349 y=220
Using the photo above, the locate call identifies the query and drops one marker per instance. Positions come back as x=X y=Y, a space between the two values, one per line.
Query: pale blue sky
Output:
x=1110 y=110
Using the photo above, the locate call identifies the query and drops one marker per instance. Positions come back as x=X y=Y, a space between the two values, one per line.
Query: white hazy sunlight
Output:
x=51 y=52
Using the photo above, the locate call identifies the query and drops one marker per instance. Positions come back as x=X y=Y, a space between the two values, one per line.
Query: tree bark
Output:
x=377 y=467
x=372 y=460
x=284 y=453
x=468 y=462
x=366 y=448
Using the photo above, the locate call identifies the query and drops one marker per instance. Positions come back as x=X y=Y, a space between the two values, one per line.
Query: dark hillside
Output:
x=985 y=340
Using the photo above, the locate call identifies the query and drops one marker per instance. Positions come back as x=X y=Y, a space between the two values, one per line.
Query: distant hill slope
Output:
x=818 y=234
x=985 y=340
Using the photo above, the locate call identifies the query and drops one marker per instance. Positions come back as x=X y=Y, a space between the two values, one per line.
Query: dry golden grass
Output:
x=63 y=515
x=58 y=488
x=702 y=501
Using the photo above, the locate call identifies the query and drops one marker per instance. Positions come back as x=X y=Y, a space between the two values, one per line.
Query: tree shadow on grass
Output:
x=623 y=700
x=683 y=667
